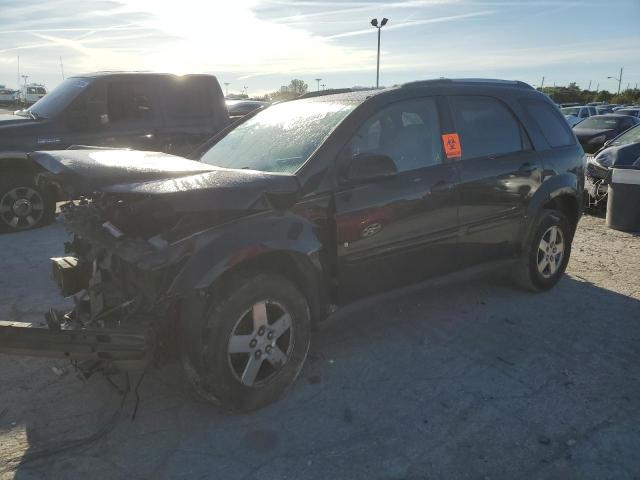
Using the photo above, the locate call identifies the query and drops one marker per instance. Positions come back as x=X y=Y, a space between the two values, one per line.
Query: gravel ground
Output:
x=473 y=380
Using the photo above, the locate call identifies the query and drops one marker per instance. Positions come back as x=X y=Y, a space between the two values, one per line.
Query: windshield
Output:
x=630 y=136
x=570 y=111
x=280 y=138
x=602 y=123
x=627 y=111
x=58 y=99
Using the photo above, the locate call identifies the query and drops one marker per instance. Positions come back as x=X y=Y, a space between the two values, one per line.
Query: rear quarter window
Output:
x=188 y=99
x=554 y=128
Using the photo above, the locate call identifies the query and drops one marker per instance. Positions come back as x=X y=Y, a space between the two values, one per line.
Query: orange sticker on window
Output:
x=451 y=145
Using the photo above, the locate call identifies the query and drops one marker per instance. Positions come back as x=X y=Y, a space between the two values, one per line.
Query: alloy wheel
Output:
x=21 y=208
x=261 y=343
x=550 y=251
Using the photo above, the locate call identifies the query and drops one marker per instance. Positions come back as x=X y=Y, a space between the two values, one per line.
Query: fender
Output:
x=248 y=239
x=553 y=187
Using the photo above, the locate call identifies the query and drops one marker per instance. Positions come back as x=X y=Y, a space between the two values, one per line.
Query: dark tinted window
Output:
x=188 y=98
x=554 y=128
x=127 y=101
x=407 y=132
x=485 y=126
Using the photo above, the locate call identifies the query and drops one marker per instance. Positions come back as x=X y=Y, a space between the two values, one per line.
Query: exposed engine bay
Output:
x=124 y=267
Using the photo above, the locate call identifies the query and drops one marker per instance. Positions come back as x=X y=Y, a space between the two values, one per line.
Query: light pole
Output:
x=226 y=89
x=323 y=86
x=318 y=81
x=374 y=22
x=619 y=80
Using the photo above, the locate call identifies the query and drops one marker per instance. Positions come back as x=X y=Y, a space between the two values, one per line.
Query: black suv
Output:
x=148 y=111
x=300 y=209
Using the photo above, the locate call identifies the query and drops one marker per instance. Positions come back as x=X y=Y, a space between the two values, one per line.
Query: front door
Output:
x=499 y=173
x=397 y=230
x=119 y=113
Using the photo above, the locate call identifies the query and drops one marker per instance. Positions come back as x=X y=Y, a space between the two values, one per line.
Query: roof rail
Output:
x=473 y=81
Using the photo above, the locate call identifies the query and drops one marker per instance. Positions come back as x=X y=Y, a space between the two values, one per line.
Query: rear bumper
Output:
x=30 y=339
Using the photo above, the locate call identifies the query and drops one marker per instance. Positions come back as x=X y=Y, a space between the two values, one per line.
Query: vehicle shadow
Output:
x=468 y=379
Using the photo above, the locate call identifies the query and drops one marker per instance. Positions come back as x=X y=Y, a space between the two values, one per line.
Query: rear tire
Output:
x=547 y=253
x=248 y=346
x=23 y=205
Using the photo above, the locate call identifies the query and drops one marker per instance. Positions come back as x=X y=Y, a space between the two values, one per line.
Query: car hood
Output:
x=186 y=184
x=619 y=156
x=10 y=120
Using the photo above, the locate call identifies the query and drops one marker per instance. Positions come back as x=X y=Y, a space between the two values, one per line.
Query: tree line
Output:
x=573 y=93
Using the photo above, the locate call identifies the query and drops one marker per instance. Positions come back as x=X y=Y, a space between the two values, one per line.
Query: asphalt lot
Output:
x=473 y=380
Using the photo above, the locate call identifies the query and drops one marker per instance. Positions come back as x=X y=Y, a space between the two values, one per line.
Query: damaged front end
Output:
x=130 y=242
x=121 y=315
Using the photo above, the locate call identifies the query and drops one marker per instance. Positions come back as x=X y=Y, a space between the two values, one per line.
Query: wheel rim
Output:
x=21 y=207
x=550 y=252
x=260 y=343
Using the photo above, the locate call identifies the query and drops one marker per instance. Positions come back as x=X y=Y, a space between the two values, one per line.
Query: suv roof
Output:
x=362 y=95
x=468 y=81
x=116 y=73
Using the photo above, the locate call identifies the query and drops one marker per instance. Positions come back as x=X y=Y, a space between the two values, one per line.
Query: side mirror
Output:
x=371 y=166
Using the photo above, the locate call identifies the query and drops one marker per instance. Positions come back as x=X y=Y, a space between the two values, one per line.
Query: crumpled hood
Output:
x=187 y=185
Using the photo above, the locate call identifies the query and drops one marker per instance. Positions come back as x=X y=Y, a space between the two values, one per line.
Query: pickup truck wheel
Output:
x=547 y=255
x=252 y=344
x=23 y=205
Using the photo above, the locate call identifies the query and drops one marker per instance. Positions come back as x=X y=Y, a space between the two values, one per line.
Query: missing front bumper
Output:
x=19 y=338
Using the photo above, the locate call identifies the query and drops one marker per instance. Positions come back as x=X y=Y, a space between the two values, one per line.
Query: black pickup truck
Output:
x=146 y=111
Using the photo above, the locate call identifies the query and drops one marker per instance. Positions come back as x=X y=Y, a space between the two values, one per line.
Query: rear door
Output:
x=397 y=230
x=499 y=172
x=132 y=114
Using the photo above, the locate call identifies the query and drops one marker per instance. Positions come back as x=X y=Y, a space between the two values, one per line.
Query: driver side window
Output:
x=408 y=132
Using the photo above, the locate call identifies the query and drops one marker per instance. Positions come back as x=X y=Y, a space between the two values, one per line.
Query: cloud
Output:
x=413 y=23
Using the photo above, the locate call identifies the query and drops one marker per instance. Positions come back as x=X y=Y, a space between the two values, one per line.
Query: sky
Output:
x=263 y=44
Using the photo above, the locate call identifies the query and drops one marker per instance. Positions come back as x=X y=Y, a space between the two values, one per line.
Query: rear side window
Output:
x=127 y=101
x=554 y=128
x=188 y=98
x=486 y=127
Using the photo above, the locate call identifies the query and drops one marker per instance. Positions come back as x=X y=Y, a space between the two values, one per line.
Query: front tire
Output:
x=250 y=344
x=23 y=205
x=546 y=256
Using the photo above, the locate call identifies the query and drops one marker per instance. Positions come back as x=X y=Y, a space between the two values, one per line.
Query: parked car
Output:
x=148 y=111
x=235 y=253
x=8 y=97
x=31 y=93
x=240 y=108
x=622 y=151
x=577 y=114
x=604 y=109
x=593 y=132
x=632 y=111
